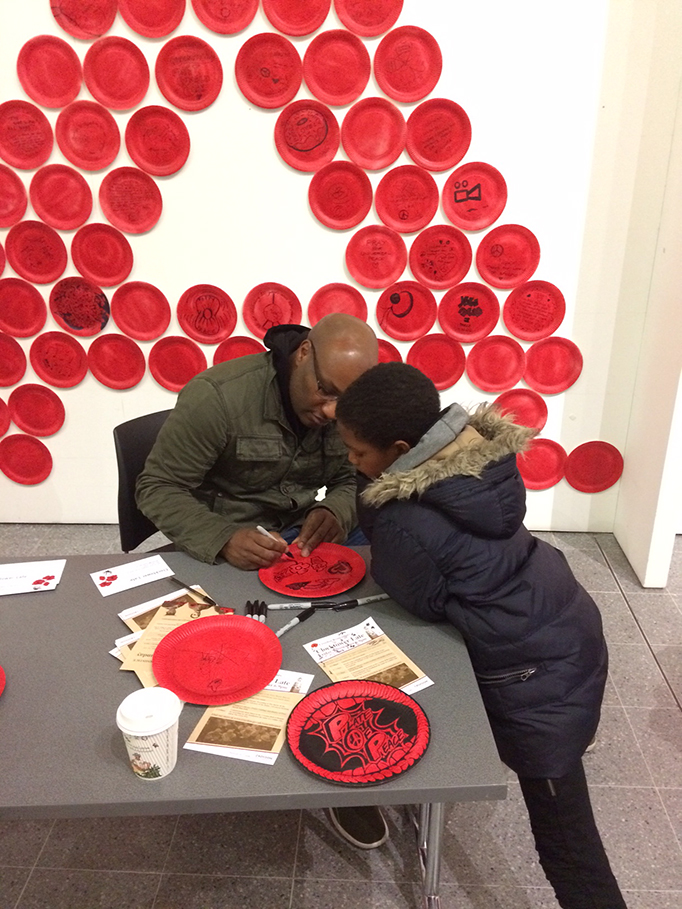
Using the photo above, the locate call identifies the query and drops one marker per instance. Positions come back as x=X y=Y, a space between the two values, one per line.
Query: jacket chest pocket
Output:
x=258 y=463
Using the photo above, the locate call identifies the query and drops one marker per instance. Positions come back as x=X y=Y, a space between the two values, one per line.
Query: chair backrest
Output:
x=133 y=442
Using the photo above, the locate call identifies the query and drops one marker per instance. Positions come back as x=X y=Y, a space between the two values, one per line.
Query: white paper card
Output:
x=132 y=574
x=26 y=577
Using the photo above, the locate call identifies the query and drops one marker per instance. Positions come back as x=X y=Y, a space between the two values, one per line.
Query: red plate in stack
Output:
x=12 y=361
x=552 y=365
x=49 y=71
x=79 y=306
x=236 y=346
x=61 y=196
x=173 y=361
x=406 y=310
x=440 y=256
x=25 y=459
x=543 y=465
x=368 y=18
x=270 y=304
x=130 y=200
x=87 y=135
x=406 y=198
x=296 y=17
x=189 y=72
x=307 y=135
x=408 y=64
x=59 y=359
x=388 y=353
x=13 y=198
x=376 y=256
x=36 y=252
x=468 y=312
x=525 y=406
x=268 y=70
x=206 y=313
x=225 y=18
x=157 y=140
x=152 y=18
x=26 y=138
x=496 y=363
x=373 y=133
x=116 y=361
x=22 y=309
x=140 y=310
x=336 y=298
x=116 y=73
x=440 y=358
x=507 y=256
x=85 y=20
x=102 y=254
x=438 y=134
x=534 y=310
x=594 y=466
x=336 y=67
x=340 y=195
x=36 y=410
x=474 y=196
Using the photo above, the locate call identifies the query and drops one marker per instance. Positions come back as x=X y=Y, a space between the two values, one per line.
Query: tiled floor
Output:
x=291 y=860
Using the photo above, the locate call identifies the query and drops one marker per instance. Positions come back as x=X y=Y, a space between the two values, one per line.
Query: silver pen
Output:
x=296 y=621
x=346 y=604
x=266 y=533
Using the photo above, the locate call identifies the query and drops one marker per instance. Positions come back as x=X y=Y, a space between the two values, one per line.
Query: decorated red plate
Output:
x=236 y=346
x=376 y=256
x=508 y=255
x=2 y=679
x=368 y=18
x=217 y=659
x=543 y=465
x=2 y=259
x=474 y=196
x=406 y=310
x=438 y=134
x=268 y=70
x=307 y=135
x=12 y=361
x=22 y=309
x=534 y=310
x=373 y=133
x=340 y=195
x=36 y=410
x=25 y=459
x=49 y=71
x=60 y=196
x=116 y=73
x=552 y=365
x=85 y=20
x=206 y=313
x=526 y=407
x=225 y=18
x=336 y=298
x=468 y=312
x=594 y=466
x=87 y=135
x=439 y=357
x=440 y=256
x=116 y=361
x=4 y=417
x=174 y=360
x=36 y=252
x=336 y=67
x=189 y=72
x=296 y=17
x=152 y=18
x=157 y=140
x=79 y=306
x=102 y=254
x=26 y=138
x=406 y=198
x=388 y=353
x=357 y=732
x=329 y=570
x=130 y=200
x=140 y=310
x=496 y=363
x=270 y=304
x=408 y=63
x=59 y=359
x=13 y=198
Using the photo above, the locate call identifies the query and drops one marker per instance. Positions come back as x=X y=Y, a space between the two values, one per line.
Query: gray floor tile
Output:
x=591 y=569
x=620 y=566
x=314 y=894
x=619 y=624
x=17 y=540
x=653 y=899
x=49 y=889
x=21 y=841
x=637 y=677
x=178 y=891
x=658 y=616
x=659 y=733
x=617 y=759
x=498 y=898
x=12 y=882
x=582 y=542
x=670 y=661
x=672 y=802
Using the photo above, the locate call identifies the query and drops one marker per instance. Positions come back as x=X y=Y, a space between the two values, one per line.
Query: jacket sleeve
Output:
x=340 y=493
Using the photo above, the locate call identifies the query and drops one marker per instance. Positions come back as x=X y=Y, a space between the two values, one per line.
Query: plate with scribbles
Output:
x=330 y=569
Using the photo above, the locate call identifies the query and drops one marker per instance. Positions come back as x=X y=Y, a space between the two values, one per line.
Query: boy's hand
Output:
x=321 y=526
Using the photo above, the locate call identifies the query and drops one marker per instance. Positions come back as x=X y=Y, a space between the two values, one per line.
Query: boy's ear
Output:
x=402 y=447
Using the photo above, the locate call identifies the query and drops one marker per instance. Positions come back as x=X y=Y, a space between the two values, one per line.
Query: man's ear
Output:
x=302 y=351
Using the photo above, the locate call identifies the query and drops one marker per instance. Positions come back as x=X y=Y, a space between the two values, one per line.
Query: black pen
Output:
x=299 y=618
x=203 y=596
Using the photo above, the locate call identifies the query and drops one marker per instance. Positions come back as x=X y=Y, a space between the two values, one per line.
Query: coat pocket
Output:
x=508 y=677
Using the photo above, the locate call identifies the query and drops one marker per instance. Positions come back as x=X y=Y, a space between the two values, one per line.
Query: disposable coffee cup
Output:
x=148 y=719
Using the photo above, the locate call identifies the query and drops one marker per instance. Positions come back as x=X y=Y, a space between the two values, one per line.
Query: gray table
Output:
x=61 y=754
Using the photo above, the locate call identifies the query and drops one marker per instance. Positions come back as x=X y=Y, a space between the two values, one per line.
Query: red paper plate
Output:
x=36 y=252
x=189 y=73
x=12 y=361
x=26 y=138
x=217 y=659
x=2 y=679
x=270 y=304
x=4 y=418
x=116 y=73
x=13 y=198
x=408 y=63
x=388 y=353
x=268 y=70
x=526 y=407
x=440 y=256
x=152 y=18
x=330 y=569
x=140 y=310
x=2 y=259
x=61 y=196
x=438 y=134
x=552 y=365
x=307 y=135
x=534 y=310
x=340 y=195
x=157 y=140
x=79 y=306
x=102 y=254
x=25 y=459
x=173 y=361
x=22 y=309
x=130 y=200
x=49 y=71
x=440 y=358
x=87 y=135
x=59 y=359
x=116 y=361
x=296 y=17
x=406 y=310
x=368 y=18
x=36 y=410
x=357 y=732
x=225 y=18
x=85 y=20
x=543 y=465
x=474 y=196
x=373 y=133
x=237 y=346
x=206 y=313
x=406 y=198
x=496 y=363
x=376 y=256
x=336 y=67
x=468 y=312
x=336 y=298
x=594 y=466
x=508 y=255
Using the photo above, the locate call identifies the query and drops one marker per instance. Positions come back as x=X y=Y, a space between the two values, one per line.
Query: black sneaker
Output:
x=362 y=827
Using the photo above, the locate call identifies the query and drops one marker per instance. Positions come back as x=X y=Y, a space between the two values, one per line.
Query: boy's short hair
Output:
x=388 y=403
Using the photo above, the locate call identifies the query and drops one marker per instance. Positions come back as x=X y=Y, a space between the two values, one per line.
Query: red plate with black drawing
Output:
x=534 y=310
x=296 y=17
x=329 y=570
x=336 y=67
x=468 y=312
x=152 y=18
x=36 y=252
x=268 y=70
x=406 y=198
x=368 y=18
x=406 y=310
x=206 y=313
x=189 y=72
x=26 y=138
x=438 y=134
x=225 y=18
x=508 y=255
x=440 y=256
x=307 y=135
x=59 y=359
x=340 y=195
x=85 y=20
x=157 y=140
x=474 y=196
x=376 y=256
x=130 y=200
x=270 y=304
x=408 y=63
x=79 y=306
x=88 y=135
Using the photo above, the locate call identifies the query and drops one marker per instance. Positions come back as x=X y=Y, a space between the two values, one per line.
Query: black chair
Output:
x=133 y=441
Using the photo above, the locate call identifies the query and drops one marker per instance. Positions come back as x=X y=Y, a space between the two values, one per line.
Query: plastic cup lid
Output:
x=440 y=358
x=130 y=200
x=102 y=254
x=543 y=465
x=206 y=313
x=336 y=67
x=438 y=134
x=26 y=138
x=340 y=195
x=85 y=20
x=36 y=252
x=13 y=197
x=307 y=135
x=268 y=70
x=406 y=198
x=440 y=256
x=225 y=18
x=368 y=18
x=22 y=309
x=408 y=63
x=296 y=18
x=157 y=140
x=148 y=711
x=336 y=298
x=152 y=20
x=49 y=71
x=474 y=196
x=88 y=135
x=61 y=196
x=116 y=73
x=373 y=133
x=376 y=256
x=406 y=310
x=189 y=72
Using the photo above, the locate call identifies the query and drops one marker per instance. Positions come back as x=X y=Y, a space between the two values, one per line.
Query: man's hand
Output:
x=321 y=526
x=249 y=550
